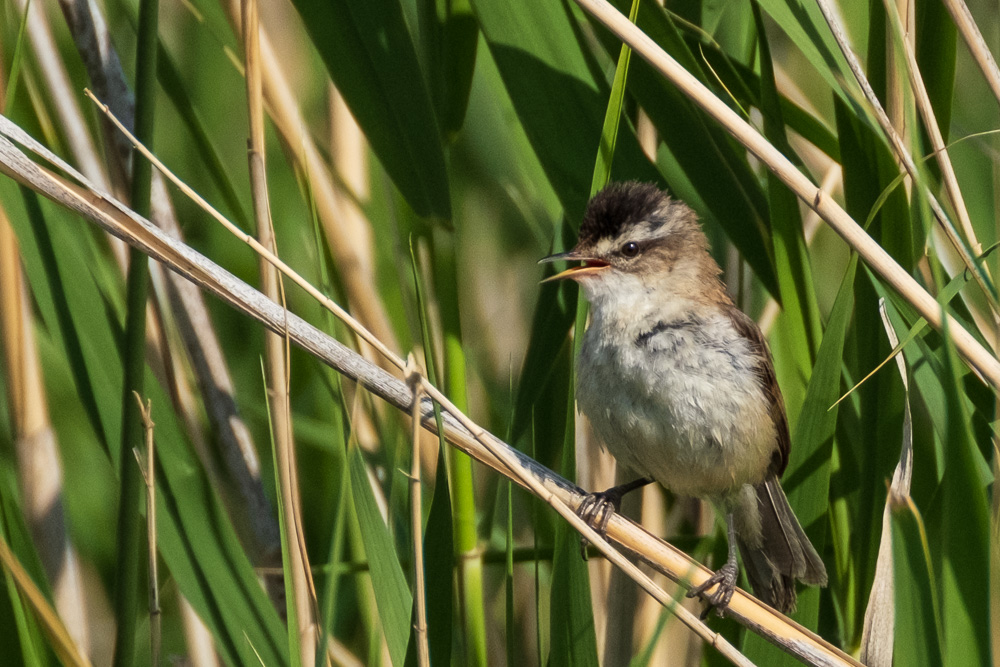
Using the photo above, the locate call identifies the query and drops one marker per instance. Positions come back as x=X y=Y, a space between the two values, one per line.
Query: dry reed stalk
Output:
x=339 y=655
x=71 y=120
x=61 y=643
x=416 y=523
x=148 y=469
x=349 y=151
x=197 y=638
x=458 y=429
x=977 y=45
x=832 y=181
x=931 y=125
x=276 y=353
x=898 y=104
x=40 y=472
x=349 y=239
x=874 y=255
x=90 y=34
x=93 y=41
x=995 y=559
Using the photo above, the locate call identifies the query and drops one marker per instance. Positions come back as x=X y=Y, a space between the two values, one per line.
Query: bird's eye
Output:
x=630 y=249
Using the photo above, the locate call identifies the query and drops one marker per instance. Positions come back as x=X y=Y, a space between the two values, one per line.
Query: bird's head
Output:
x=635 y=237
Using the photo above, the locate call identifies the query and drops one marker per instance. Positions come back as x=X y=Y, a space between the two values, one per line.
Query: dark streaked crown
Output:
x=619 y=206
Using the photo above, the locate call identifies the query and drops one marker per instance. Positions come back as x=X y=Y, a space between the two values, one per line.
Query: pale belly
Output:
x=683 y=405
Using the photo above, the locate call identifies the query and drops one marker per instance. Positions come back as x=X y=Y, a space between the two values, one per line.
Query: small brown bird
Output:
x=679 y=384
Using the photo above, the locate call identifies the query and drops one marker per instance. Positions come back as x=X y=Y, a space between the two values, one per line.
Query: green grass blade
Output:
x=553 y=315
x=791 y=256
x=392 y=595
x=291 y=612
x=560 y=103
x=369 y=53
x=573 y=641
x=936 y=51
x=510 y=627
x=868 y=168
x=439 y=569
x=954 y=493
x=53 y=264
x=800 y=311
x=535 y=524
x=572 y=634
x=15 y=63
x=173 y=85
x=336 y=551
x=539 y=57
x=917 y=631
x=451 y=36
x=129 y=535
x=870 y=174
x=25 y=640
x=203 y=554
x=965 y=534
x=612 y=117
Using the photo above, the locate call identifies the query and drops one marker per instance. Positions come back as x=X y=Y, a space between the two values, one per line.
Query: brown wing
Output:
x=765 y=371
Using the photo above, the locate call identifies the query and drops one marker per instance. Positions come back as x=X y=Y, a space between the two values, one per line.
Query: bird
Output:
x=679 y=385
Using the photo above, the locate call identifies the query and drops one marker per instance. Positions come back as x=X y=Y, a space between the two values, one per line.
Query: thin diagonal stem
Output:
x=416 y=527
x=149 y=477
x=977 y=45
x=276 y=353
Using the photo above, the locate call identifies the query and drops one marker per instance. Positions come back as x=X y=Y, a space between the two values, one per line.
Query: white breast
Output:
x=678 y=398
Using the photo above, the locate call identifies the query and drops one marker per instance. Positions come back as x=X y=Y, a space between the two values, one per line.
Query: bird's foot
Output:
x=718 y=599
x=596 y=510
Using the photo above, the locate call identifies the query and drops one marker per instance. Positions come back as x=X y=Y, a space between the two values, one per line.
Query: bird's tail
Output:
x=784 y=553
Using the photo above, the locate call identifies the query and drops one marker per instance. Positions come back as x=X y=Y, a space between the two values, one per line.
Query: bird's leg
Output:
x=597 y=508
x=725 y=577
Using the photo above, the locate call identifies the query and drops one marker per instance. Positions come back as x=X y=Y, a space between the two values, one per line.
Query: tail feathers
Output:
x=784 y=553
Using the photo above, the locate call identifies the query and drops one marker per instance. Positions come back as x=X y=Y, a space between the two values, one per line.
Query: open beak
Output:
x=590 y=266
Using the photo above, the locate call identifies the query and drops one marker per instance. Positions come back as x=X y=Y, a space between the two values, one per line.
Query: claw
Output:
x=724 y=579
x=597 y=509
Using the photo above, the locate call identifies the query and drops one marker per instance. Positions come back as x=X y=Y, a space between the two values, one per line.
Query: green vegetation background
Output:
x=483 y=125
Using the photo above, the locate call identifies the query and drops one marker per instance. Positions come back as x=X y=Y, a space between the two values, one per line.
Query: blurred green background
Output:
x=473 y=156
